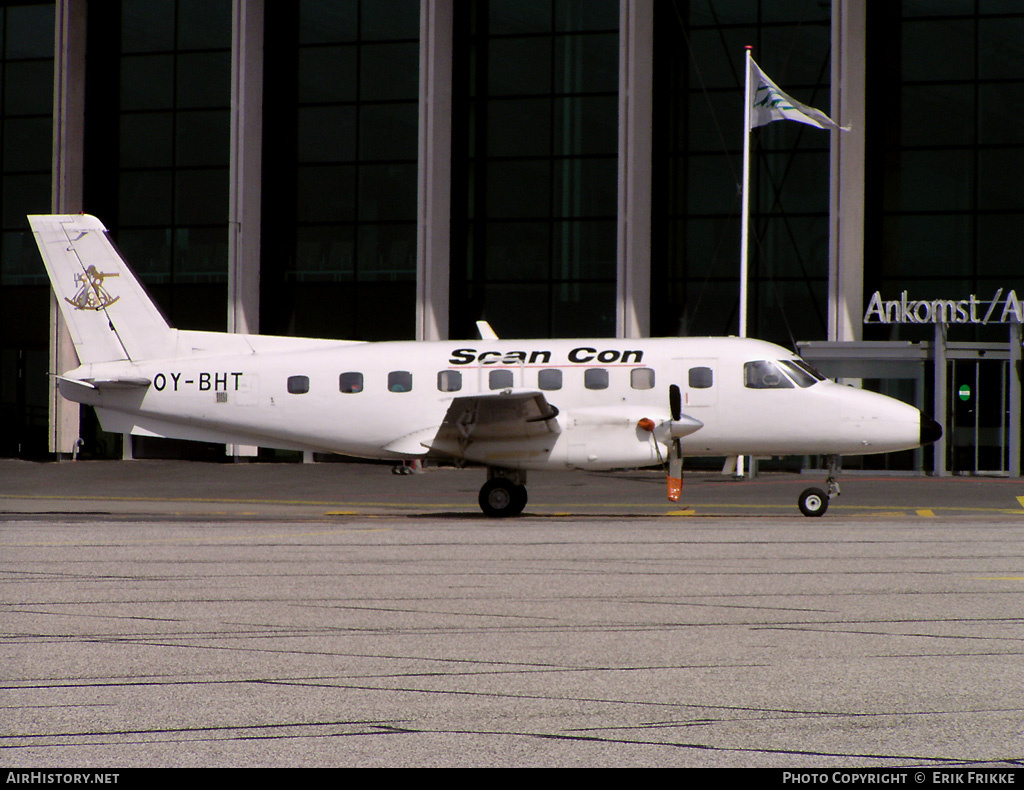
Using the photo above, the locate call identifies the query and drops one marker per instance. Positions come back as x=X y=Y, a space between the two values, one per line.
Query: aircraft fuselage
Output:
x=387 y=400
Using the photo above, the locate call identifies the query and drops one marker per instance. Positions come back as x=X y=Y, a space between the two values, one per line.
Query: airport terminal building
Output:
x=399 y=169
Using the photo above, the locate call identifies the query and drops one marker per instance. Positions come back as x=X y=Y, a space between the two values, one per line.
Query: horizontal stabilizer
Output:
x=86 y=390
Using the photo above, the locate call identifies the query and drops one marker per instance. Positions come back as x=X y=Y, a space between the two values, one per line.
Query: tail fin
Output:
x=107 y=310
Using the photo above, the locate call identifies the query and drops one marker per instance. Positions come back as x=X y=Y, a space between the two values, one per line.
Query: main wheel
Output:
x=813 y=502
x=501 y=498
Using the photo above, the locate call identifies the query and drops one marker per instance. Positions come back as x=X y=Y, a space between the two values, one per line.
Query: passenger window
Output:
x=763 y=375
x=701 y=378
x=500 y=379
x=350 y=382
x=399 y=381
x=550 y=379
x=298 y=385
x=641 y=378
x=595 y=379
x=449 y=380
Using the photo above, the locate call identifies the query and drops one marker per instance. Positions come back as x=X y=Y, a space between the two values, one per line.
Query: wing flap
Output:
x=504 y=417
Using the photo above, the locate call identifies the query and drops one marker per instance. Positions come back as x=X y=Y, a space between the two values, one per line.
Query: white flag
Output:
x=768 y=104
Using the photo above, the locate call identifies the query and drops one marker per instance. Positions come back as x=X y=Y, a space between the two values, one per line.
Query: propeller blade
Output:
x=675 y=401
x=675 y=471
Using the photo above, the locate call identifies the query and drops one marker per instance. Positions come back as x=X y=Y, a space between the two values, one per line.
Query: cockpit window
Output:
x=797 y=373
x=804 y=366
x=764 y=375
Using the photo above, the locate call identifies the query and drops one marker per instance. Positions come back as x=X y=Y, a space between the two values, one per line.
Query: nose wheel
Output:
x=813 y=502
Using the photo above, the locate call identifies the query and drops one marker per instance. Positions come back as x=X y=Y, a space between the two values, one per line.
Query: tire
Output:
x=813 y=502
x=501 y=498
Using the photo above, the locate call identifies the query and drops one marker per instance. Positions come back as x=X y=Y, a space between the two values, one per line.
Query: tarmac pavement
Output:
x=163 y=613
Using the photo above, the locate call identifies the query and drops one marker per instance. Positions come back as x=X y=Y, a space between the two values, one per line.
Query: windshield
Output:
x=797 y=373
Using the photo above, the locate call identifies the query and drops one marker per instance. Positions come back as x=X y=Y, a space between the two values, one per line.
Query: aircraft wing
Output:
x=505 y=417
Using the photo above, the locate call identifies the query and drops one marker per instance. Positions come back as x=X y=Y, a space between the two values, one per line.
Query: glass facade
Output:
x=158 y=97
x=946 y=147
x=26 y=107
x=534 y=166
x=535 y=161
x=340 y=147
x=699 y=57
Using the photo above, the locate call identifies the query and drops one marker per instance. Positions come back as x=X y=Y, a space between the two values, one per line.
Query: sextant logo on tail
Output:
x=91 y=295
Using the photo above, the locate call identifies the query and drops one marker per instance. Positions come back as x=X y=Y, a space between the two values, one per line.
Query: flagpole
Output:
x=745 y=217
x=745 y=213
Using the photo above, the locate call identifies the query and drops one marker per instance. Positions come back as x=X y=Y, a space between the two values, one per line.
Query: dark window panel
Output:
x=328 y=21
x=204 y=24
x=147 y=26
x=145 y=197
x=388 y=131
x=327 y=134
x=389 y=72
x=28 y=87
x=203 y=138
x=147 y=82
x=325 y=253
x=387 y=192
x=29 y=31
x=328 y=74
x=204 y=79
x=326 y=193
x=27 y=144
x=147 y=140
x=201 y=197
x=386 y=252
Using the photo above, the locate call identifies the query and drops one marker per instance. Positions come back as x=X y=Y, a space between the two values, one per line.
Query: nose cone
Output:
x=931 y=431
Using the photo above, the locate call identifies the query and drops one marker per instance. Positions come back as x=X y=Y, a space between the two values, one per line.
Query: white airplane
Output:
x=508 y=405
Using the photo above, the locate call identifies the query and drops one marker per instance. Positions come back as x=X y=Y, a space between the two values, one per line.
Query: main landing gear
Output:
x=504 y=493
x=813 y=502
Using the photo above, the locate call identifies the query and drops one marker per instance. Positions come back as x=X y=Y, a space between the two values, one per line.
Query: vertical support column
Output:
x=246 y=167
x=636 y=105
x=433 y=232
x=245 y=174
x=846 y=190
x=939 y=400
x=66 y=196
x=1015 y=399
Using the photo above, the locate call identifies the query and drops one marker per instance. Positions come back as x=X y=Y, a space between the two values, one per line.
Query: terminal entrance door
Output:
x=979 y=418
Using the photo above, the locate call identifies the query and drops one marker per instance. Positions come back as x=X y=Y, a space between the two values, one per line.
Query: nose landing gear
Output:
x=813 y=502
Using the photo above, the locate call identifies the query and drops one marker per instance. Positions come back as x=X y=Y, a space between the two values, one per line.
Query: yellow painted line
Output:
x=1021 y=500
x=205 y=539
x=686 y=512
x=930 y=513
x=1002 y=578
